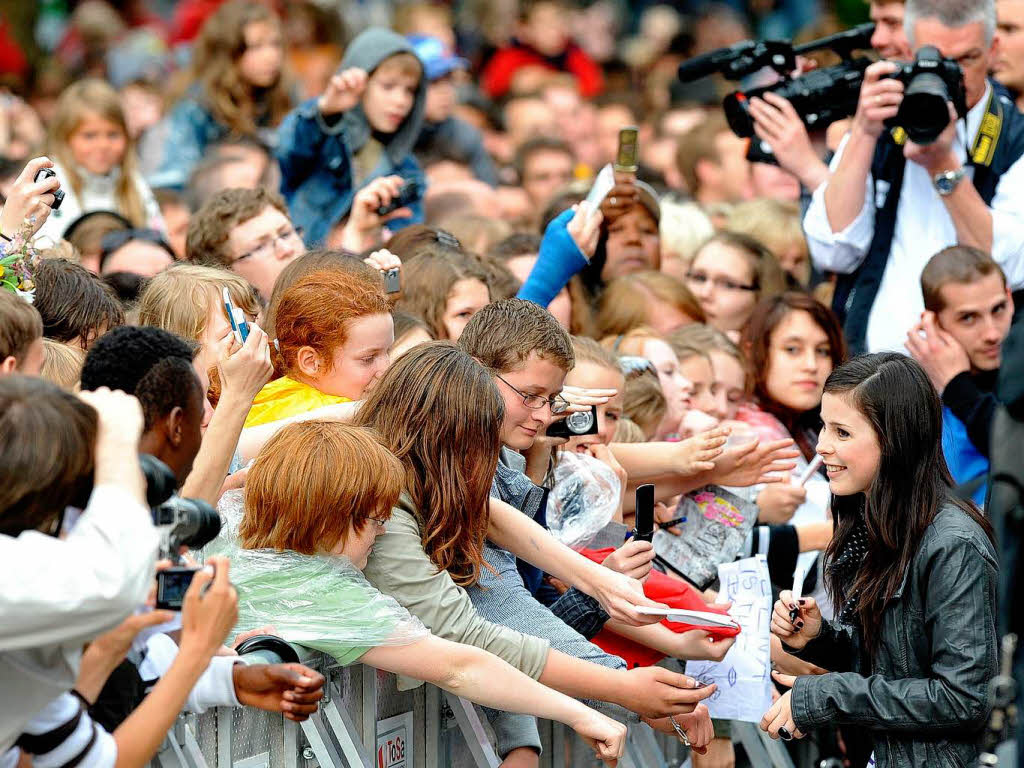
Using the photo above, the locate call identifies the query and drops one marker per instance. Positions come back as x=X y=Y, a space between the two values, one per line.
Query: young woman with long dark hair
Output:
x=912 y=572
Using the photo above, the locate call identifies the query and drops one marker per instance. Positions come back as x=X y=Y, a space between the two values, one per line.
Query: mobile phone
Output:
x=171 y=586
x=237 y=319
x=575 y=424
x=644 y=530
x=392 y=280
x=409 y=193
x=628 y=157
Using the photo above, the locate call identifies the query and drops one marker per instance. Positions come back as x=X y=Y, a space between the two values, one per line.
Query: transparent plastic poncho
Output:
x=318 y=601
x=583 y=500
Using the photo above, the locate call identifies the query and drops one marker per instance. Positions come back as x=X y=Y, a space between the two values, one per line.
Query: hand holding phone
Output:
x=237 y=319
x=644 y=530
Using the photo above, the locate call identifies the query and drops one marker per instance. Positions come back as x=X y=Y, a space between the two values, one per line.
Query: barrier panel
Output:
x=364 y=721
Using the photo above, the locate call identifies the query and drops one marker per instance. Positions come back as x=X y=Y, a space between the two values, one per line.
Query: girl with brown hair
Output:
x=440 y=412
x=94 y=159
x=442 y=284
x=305 y=535
x=237 y=87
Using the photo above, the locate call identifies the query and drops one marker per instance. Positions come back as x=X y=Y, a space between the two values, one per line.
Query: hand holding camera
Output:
x=880 y=98
x=209 y=611
x=33 y=195
x=344 y=90
x=383 y=199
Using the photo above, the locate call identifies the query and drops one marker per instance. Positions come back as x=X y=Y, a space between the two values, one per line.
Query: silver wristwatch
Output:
x=946 y=181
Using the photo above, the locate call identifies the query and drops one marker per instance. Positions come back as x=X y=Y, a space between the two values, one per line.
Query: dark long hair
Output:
x=757 y=345
x=439 y=411
x=912 y=485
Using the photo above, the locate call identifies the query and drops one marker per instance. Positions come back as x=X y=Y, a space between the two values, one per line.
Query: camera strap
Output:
x=983 y=151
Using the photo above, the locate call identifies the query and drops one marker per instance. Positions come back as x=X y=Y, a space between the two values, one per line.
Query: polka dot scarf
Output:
x=846 y=566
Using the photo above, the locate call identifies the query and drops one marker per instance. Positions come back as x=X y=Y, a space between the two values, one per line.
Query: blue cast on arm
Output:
x=559 y=259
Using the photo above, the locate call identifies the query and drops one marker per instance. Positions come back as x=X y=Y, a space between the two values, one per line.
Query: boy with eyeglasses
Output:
x=247 y=231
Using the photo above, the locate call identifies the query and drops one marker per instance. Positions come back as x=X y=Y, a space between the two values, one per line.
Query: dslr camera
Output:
x=183 y=523
x=823 y=96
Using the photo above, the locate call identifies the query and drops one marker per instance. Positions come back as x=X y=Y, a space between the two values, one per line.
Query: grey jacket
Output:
x=924 y=701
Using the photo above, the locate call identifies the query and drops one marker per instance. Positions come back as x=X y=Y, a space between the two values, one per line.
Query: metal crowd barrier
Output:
x=364 y=721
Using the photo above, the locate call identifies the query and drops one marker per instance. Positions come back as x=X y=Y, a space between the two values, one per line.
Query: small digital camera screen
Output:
x=171 y=586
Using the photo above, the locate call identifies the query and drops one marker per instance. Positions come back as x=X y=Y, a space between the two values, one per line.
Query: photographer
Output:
x=778 y=124
x=879 y=218
x=56 y=448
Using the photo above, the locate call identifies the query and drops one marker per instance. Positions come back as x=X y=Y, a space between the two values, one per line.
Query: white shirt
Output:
x=56 y=595
x=923 y=228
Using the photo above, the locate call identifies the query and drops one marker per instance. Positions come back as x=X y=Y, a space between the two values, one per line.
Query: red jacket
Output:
x=503 y=65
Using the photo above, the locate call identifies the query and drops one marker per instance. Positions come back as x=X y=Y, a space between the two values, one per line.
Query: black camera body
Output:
x=409 y=193
x=929 y=82
x=575 y=424
x=58 y=195
x=823 y=96
x=820 y=97
x=183 y=522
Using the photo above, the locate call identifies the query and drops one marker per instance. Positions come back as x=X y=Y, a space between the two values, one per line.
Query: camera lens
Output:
x=203 y=522
x=923 y=113
x=580 y=422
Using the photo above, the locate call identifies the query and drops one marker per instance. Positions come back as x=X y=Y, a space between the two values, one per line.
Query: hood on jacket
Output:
x=367 y=51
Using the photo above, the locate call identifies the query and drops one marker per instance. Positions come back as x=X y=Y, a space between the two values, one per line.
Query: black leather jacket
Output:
x=924 y=701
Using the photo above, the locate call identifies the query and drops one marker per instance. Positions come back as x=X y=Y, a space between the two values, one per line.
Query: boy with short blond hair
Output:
x=362 y=127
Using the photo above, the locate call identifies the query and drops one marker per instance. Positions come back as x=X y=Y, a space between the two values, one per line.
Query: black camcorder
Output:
x=183 y=523
x=823 y=96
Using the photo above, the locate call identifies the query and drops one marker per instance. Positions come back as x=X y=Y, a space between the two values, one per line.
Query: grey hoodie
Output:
x=367 y=51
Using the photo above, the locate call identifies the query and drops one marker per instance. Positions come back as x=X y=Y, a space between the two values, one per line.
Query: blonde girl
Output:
x=94 y=158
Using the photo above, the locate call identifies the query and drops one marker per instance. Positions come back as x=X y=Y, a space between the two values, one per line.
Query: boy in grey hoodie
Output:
x=362 y=127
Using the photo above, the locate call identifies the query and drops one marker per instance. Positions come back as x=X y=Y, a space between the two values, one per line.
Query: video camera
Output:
x=183 y=522
x=823 y=96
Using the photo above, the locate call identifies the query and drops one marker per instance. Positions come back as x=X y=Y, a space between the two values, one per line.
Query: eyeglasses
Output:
x=266 y=248
x=558 y=404
x=721 y=283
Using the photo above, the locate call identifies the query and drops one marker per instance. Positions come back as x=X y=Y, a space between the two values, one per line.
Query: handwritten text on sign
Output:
x=743 y=676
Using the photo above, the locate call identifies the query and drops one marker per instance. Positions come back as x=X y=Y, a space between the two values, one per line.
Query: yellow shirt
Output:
x=287 y=397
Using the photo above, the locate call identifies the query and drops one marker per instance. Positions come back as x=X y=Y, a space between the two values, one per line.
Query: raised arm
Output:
x=619 y=595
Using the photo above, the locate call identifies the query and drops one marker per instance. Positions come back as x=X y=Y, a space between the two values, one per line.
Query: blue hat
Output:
x=437 y=61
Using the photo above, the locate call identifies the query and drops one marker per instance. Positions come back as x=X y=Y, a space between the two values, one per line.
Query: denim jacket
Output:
x=924 y=699
x=317 y=178
x=190 y=129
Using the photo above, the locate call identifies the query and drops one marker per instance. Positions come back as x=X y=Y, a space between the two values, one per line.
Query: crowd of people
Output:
x=340 y=274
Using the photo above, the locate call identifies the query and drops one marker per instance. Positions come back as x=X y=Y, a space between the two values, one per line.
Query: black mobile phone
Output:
x=409 y=193
x=171 y=586
x=644 y=530
x=575 y=424
x=392 y=280
x=628 y=157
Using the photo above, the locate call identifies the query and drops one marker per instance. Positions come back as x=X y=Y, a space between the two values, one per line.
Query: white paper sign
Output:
x=395 y=742
x=744 y=675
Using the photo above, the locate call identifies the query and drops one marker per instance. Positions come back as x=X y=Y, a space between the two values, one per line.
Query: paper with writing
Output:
x=744 y=675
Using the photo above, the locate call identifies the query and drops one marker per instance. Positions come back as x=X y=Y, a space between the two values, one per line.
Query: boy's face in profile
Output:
x=391 y=92
x=522 y=425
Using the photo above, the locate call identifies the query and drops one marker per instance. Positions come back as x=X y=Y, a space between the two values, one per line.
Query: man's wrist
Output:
x=948 y=161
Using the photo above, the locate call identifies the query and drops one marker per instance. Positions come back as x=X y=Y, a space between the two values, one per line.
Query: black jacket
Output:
x=924 y=699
